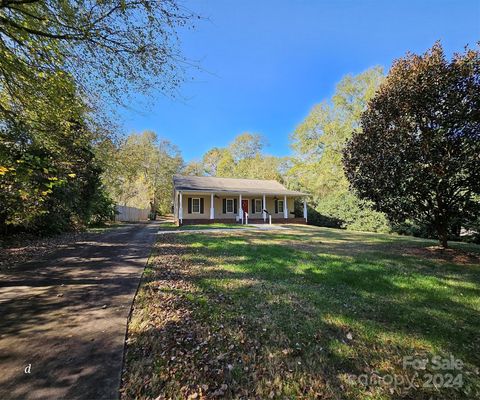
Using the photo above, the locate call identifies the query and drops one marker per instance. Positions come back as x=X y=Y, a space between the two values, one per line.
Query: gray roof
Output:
x=244 y=186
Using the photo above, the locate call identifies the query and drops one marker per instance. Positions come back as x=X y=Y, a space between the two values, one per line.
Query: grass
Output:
x=171 y=226
x=303 y=313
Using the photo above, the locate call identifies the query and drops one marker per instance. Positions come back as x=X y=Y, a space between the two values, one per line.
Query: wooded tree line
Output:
x=243 y=158
x=138 y=171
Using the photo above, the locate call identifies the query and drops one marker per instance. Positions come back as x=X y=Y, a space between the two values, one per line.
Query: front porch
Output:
x=201 y=207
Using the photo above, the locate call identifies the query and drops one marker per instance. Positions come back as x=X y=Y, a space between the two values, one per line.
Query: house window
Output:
x=196 y=205
x=258 y=205
x=229 y=205
x=280 y=206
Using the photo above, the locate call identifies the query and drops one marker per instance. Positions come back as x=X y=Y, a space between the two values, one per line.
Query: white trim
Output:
x=180 y=210
x=199 y=206
x=226 y=206
x=175 y=205
x=305 y=210
x=264 y=207
x=240 y=208
x=212 y=207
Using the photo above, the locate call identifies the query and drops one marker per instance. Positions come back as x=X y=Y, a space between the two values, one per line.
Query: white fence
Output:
x=131 y=214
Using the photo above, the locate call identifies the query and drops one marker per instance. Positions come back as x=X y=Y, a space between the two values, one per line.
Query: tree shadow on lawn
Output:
x=396 y=279
x=303 y=326
x=391 y=292
x=393 y=252
x=459 y=252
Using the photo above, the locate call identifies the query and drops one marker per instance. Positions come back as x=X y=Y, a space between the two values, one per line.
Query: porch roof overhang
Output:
x=291 y=193
x=234 y=186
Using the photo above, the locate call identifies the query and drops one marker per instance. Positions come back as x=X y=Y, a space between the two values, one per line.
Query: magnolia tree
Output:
x=417 y=154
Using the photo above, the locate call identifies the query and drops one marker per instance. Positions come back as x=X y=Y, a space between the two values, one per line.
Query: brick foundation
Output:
x=250 y=221
x=209 y=221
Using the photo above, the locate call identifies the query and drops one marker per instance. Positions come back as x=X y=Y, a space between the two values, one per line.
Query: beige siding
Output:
x=206 y=208
x=219 y=206
x=271 y=207
x=258 y=213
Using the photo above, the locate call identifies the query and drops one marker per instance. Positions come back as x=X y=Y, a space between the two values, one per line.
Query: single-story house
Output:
x=205 y=199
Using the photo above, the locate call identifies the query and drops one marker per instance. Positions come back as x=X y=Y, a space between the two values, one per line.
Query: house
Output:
x=205 y=199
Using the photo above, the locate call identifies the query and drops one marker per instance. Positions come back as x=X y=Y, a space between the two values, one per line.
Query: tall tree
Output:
x=318 y=143
x=243 y=158
x=259 y=167
x=226 y=165
x=417 y=155
x=139 y=172
x=246 y=145
x=211 y=160
x=49 y=176
x=194 y=168
x=58 y=60
x=107 y=46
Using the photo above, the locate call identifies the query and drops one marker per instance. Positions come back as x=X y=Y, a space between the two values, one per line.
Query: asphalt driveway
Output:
x=63 y=319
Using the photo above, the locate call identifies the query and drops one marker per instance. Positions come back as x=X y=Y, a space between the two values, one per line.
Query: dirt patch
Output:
x=21 y=249
x=440 y=254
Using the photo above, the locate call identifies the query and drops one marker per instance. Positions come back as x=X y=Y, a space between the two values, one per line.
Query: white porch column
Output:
x=212 y=207
x=305 y=209
x=180 y=209
x=175 y=205
x=285 y=209
x=240 y=211
x=264 y=207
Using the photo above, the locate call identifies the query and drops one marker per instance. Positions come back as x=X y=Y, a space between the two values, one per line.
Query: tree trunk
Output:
x=442 y=235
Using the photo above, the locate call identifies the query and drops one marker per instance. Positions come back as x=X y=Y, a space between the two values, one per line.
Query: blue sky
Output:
x=266 y=63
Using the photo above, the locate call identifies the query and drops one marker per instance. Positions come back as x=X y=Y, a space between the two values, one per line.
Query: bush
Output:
x=314 y=217
x=47 y=191
x=351 y=213
x=410 y=228
x=102 y=209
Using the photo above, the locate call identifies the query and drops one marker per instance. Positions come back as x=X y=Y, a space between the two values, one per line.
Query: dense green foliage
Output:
x=353 y=213
x=243 y=158
x=139 y=171
x=317 y=163
x=58 y=61
x=417 y=156
x=49 y=177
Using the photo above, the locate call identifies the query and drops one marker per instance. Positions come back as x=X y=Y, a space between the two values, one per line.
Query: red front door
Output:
x=244 y=207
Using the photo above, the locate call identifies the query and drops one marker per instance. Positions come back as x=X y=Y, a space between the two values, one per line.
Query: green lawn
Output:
x=302 y=313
